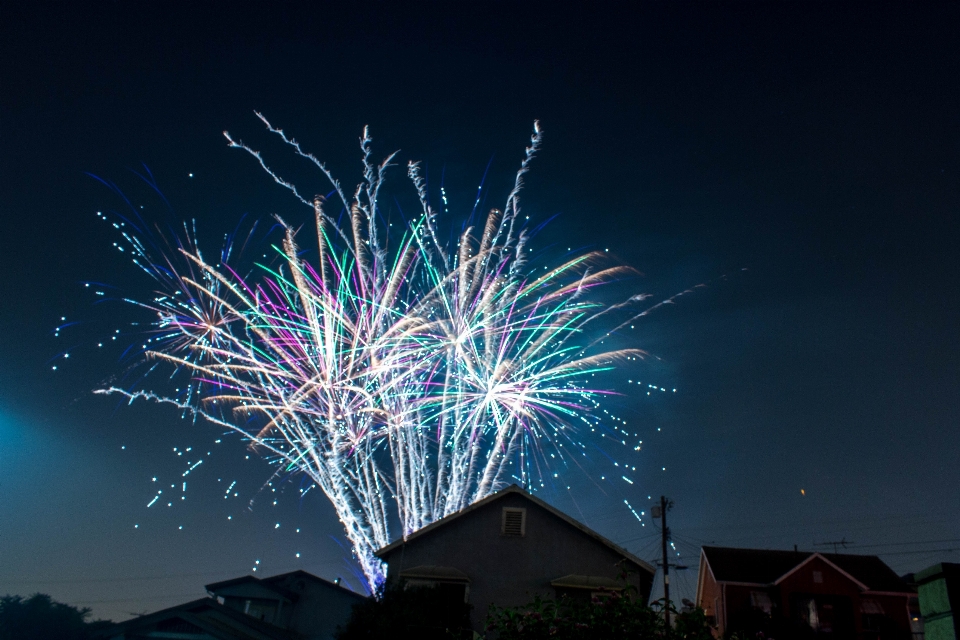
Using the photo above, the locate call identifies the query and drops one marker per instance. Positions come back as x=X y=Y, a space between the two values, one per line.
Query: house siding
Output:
x=833 y=585
x=737 y=602
x=512 y=570
x=813 y=585
x=836 y=584
x=711 y=598
x=321 y=610
x=939 y=597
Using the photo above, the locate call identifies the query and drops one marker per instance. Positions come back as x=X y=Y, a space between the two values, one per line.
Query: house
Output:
x=796 y=593
x=299 y=601
x=509 y=547
x=290 y=606
x=939 y=590
x=204 y=619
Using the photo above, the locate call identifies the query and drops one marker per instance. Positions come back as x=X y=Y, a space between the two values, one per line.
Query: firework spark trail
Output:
x=403 y=382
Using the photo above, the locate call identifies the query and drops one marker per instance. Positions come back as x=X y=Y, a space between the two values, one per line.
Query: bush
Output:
x=39 y=617
x=611 y=616
x=420 y=612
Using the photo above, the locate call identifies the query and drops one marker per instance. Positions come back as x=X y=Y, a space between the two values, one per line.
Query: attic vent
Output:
x=514 y=522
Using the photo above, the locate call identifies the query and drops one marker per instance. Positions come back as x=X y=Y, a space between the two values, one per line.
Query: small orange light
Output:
x=802 y=492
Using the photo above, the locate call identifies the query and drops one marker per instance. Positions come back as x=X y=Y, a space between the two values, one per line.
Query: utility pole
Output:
x=661 y=512
x=664 y=532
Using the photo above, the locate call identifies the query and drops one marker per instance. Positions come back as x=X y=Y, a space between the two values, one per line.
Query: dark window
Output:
x=761 y=600
x=514 y=522
x=260 y=609
x=823 y=614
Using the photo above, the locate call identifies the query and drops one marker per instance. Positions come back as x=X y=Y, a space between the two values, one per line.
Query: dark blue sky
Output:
x=816 y=146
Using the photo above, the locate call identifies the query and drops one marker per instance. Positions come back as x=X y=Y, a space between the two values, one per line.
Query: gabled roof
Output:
x=768 y=566
x=256 y=583
x=286 y=578
x=209 y=616
x=871 y=571
x=818 y=556
x=754 y=566
x=514 y=489
x=278 y=584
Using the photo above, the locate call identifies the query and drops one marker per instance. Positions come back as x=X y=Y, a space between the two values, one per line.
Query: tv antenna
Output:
x=842 y=542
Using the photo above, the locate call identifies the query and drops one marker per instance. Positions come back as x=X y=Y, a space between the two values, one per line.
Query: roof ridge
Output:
x=758 y=566
x=516 y=489
x=314 y=576
x=186 y=611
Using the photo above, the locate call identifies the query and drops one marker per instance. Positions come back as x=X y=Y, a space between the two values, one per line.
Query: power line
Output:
x=148 y=599
x=904 y=553
x=140 y=578
x=792 y=524
x=693 y=540
x=655 y=534
x=136 y=579
x=901 y=544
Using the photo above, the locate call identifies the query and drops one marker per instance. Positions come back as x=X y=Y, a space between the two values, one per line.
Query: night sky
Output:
x=803 y=161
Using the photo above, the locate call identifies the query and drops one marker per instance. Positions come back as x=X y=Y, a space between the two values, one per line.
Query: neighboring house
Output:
x=508 y=548
x=939 y=591
x=799 y=593
x=299 y=601
x=916 y=618
x=290 y=606
x=204 y=619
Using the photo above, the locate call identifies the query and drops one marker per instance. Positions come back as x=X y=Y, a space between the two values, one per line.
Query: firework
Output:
x=407 y=378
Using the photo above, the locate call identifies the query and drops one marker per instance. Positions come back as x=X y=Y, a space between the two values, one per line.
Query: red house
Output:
x=802 y=594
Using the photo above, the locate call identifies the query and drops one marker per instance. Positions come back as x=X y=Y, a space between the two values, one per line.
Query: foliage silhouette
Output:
x=39 y=617
x=610 y=615
x=400 y=611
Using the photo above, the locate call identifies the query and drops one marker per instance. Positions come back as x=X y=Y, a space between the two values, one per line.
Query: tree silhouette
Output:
x=39 y=617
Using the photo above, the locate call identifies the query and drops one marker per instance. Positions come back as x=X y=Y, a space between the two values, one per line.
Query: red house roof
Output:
x=767 y=566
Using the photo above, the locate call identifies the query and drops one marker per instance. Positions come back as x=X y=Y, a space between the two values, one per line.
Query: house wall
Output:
x=833 y=583
x=510 y=571
x=259 y=608
x=739 y=607
x=837 y=584
x=736 y=601
x=710 y=598
x=939 y=594
x=897 y=608
x=321 y=609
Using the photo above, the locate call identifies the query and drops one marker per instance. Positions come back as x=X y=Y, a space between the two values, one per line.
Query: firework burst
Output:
x=405 y=377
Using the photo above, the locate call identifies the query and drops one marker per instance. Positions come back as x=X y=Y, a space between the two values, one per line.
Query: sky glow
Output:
x=406 y=378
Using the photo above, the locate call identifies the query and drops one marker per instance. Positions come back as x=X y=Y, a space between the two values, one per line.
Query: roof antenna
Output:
x=843 y=542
